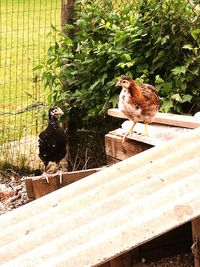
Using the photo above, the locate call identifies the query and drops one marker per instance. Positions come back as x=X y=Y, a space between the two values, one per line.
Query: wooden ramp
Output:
x=107 y=213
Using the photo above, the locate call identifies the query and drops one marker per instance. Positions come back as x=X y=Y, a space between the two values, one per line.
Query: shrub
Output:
x=153 y=41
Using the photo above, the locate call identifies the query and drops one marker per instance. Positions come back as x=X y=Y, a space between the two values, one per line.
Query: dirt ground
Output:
x=12 y=194
x=179 y=260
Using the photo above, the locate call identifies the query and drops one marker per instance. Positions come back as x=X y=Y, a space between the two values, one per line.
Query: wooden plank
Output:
x=120 y=151
x=71 y=177
x=164 y=118
x=124 y=260
x=37 y=186
x=196 y=241
x=110 y=160
x=158 y=133
x=115 y=262
x=135 y=143
x=42 y=188
x=30 y=189
x=106 y=264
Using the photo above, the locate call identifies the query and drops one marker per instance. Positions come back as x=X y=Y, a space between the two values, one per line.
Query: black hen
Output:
x=53 y=140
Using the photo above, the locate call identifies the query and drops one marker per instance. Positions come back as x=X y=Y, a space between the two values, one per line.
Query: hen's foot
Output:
x=45 y=175
x=59 y=173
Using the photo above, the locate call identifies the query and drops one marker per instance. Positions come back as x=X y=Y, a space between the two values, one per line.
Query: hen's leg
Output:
x=59 y=172
x=129 y=131
x=146 y=132
x=45 y=175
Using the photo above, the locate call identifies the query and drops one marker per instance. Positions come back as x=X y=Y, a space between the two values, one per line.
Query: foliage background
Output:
x=153 y=41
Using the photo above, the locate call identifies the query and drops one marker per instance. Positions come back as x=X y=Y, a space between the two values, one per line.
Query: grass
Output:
x=24 y=28
x=24 y=39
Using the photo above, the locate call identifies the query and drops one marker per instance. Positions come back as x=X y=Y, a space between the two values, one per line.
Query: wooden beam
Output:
x=37 y=186
x=196 y=241
x=124 y=260
x=136 y=143
x=164 y=118
x=117 y=150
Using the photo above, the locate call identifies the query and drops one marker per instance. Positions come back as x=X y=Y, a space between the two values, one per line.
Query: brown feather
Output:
x=138 y=102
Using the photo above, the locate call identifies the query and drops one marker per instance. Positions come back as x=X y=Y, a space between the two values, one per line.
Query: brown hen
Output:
x=138 y=102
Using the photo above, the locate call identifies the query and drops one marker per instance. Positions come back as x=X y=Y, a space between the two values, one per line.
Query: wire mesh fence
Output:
x=24 y=40
x=24 y=37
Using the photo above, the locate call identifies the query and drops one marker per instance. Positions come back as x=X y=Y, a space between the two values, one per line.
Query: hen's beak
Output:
x=118 y=83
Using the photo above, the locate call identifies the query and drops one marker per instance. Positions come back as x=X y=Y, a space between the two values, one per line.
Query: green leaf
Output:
x=51 y=60
x=159 y=56
x=195 y=34
x=167 y=104
x=114 y=100
x=164 y=39
x=108 y=24
x=126 y=64
x=125 y=57
x=38 y=67
x=81 y=23
x=69 y=27
x=158 y=40
x=179 y=70
x=188 y=46
x=186 y=98
x=158 y=80
x=177 y=97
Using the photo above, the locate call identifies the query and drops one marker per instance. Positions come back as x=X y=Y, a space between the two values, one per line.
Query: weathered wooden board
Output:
x=107 y=213
x=135 y=143
x=164 y=118
x=158 y=134
x=196 y=241
x=37 y=186
x=116 y=150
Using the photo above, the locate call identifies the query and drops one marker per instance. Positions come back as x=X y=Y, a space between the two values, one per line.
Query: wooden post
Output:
x=67 y=12
x=196 y=241
x=115 y=262
x=124 y=260
x=106 y=264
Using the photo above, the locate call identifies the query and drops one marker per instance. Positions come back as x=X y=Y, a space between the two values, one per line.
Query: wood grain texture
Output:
x=164 y=118
x=196 y=241
x=37 y=186
x=120 y=151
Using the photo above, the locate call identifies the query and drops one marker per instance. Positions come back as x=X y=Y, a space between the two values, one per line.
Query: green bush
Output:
x=153 y=41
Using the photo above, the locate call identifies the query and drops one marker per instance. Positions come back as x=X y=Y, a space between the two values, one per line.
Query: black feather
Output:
x=53 y=140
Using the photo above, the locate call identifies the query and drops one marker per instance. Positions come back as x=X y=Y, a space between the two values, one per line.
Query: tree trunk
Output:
x=67 y=13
